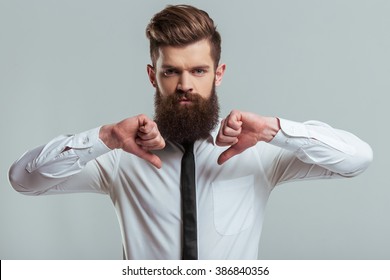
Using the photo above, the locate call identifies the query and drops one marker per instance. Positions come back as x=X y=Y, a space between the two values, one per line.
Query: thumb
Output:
x=228 y=154
x=150 y=157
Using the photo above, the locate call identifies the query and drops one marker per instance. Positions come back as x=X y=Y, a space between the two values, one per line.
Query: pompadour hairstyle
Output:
x=181 y=25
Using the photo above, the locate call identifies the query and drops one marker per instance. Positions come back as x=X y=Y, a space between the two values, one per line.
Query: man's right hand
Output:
x=136 y=135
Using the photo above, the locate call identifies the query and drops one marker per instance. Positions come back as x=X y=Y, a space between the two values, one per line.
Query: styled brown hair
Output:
x=181 y=25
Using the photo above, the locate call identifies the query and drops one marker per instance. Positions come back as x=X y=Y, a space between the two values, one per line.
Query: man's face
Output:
x=188 y=69
x=186 y=105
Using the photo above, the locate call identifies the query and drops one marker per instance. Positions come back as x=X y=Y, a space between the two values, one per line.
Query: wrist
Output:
x=107 y=135
x=271 y=128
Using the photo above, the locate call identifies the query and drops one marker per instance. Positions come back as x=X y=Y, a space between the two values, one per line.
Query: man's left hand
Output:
x=241 y=130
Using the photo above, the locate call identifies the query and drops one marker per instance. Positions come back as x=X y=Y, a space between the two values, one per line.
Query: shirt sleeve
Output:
x=314 y=149
x=49 y=165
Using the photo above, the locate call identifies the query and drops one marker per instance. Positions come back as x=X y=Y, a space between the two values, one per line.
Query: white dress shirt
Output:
x=231 y=198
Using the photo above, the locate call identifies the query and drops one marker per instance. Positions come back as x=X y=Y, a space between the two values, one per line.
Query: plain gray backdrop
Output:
x=68 y=66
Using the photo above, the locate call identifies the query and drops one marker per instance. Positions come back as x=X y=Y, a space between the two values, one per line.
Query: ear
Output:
x=151 y=74
x=219 y=74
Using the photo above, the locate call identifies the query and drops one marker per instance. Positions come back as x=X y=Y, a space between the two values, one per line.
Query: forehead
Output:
x=198 y=53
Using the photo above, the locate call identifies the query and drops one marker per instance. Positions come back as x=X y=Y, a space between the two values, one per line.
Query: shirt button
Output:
x=90 y=150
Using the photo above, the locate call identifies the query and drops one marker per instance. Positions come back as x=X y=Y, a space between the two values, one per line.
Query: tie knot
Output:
x=188 y=146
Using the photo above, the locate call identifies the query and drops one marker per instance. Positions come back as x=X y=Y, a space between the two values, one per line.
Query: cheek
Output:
x=166 y=86
x=206 y=87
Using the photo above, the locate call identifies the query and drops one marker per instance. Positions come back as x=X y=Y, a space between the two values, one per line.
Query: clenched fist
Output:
x=241 y=130
x=136 y=135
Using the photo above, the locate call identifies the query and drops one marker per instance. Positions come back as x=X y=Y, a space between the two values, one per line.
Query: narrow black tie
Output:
x=188 y=198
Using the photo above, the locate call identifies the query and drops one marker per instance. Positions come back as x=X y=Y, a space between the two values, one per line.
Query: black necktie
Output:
x=188 y=198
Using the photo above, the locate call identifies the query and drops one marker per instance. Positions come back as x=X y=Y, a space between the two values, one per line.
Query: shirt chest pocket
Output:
x=233 y=205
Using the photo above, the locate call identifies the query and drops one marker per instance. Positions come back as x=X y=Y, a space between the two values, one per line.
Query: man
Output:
x=238 y=160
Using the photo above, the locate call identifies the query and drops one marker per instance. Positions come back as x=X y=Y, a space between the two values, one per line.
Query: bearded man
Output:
x=234 y=163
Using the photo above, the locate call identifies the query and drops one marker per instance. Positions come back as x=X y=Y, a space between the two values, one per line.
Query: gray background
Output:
x=68 y=66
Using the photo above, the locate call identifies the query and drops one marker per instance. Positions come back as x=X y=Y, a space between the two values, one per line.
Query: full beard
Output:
x=189 y=122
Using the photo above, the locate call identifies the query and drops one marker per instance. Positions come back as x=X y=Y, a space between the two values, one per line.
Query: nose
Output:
x=185 y=83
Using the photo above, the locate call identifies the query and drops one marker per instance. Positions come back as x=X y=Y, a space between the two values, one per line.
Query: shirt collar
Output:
x=214 y=133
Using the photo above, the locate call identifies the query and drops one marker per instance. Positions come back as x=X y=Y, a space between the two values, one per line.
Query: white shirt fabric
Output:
x=231 y=198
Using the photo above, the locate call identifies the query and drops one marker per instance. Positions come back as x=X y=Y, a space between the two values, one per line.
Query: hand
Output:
x=136 y=135
x=241 y=130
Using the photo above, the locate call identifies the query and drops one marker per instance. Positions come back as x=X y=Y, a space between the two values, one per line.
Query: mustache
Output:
x=185 y=95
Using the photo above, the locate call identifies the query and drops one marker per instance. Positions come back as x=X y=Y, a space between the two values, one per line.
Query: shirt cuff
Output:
x=292 y=135
x=87 y=145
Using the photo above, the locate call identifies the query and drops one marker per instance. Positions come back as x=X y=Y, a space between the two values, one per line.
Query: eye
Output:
x=170 y=72
x=199 y=72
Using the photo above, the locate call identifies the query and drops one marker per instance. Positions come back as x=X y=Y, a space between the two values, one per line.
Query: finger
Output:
x=153 y=159
x=156 y=143
x=132 y=147
x=230 y=127
x=228 y=154
x=146 y=125
x=226 y=135
x=225 y=130
x=233 y=120
x=226 y=140
x=152 y=132
x=221 y=128
x=148 y=156
x=228 y=131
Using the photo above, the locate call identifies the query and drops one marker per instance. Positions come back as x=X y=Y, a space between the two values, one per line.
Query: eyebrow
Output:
x=167 y=66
